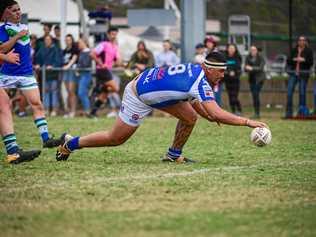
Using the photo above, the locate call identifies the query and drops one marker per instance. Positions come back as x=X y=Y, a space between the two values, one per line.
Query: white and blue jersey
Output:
x=22 y=47
x=163 y=86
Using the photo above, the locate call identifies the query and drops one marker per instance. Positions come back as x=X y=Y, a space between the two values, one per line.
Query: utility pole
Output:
x=193 y=17
x=290 y=26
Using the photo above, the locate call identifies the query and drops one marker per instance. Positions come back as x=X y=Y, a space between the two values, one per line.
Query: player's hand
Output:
x=12 y=57
x=22 y=33
x=103 y=66
x=255 y=124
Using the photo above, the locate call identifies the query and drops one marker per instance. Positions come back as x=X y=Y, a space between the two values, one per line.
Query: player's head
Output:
x=214 y=66
x=112 y=33
x=10 y=11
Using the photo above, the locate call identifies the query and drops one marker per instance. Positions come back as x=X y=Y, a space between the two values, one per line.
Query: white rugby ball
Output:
x=261 y=136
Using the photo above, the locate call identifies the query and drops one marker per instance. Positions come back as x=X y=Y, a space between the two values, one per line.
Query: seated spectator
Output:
x=84 y=65
x=141 y=59
x=49 y=57
x=102 y=16
x=199 y=53
x=167 y=57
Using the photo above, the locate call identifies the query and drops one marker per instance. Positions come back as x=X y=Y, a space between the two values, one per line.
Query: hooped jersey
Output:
x=163 y=86
x=22 y=47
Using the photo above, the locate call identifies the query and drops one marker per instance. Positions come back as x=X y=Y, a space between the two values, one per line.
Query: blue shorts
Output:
x=69 y=76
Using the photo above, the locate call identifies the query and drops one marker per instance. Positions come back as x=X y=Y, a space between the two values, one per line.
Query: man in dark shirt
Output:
x=299 y=65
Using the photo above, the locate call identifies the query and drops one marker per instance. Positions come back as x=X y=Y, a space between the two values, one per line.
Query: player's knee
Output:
x=37 y=106
x=116 y=141
x=5 y=107
x=191 y=119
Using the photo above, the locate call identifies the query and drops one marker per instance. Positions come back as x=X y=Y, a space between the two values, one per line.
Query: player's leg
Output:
x=187 y=119
x=132 y=112
x=33 y=97
x=14 y=154
x=72 y=98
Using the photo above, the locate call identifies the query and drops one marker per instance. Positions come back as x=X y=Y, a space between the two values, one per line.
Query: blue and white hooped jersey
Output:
x=22 y=47
x=162 y=86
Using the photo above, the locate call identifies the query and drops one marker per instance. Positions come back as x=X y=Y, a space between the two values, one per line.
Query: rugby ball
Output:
x=261 y=136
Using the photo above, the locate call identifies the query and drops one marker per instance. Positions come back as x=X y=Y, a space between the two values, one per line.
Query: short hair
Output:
x=215 y=60
x=48 y=25
x=112 y=28
x=56 y=27
x=216 y=56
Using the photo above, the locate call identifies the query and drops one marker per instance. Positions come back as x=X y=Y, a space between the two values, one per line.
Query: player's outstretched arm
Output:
x=216 y=113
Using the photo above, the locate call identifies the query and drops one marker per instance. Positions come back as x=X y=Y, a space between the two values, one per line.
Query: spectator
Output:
x=199 y=53
x=210 y=45
x=40 y=42
x=85 y=77
x=70 y=54
x=57 y=34
x=141 y=59
x=33 y=39
x=49 y=57
x=231 y=77
x=102 y=16
x=299 y=64
x=254 y=65
x=167 y=57
x=114 y=100
x=105 y=55
x=314 y=112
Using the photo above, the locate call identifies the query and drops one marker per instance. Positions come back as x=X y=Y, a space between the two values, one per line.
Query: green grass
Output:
x=237 y=189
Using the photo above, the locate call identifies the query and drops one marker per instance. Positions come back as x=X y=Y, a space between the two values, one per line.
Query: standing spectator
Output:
x=141 y=59
x=167 y=57
x=70 y=54
x=105 y=55
x=210 y=46
x=57 y=34
x=199 y=53
x=299 y=64
x=49 y=57
x=231 y=77
x=33 y=39
x=314 y=112
x=102 y=16
x=47 y=30
x=254 y=65
x=85 y=77
x=114 y=99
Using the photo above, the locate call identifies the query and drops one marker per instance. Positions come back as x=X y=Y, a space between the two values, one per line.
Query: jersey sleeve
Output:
x=99 y=48
x=202 y=91
x=3 y=35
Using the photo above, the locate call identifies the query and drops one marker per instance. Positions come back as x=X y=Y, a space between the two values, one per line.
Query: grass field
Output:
x=237 y=189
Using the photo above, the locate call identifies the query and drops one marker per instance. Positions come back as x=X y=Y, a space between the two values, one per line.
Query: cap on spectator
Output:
x=199 y=46
x=209 y=39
